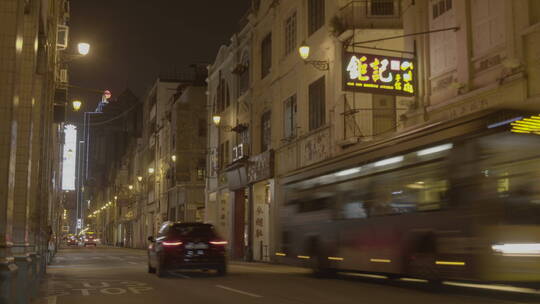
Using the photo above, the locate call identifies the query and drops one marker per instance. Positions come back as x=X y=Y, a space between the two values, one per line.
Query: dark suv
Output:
x=186 y=246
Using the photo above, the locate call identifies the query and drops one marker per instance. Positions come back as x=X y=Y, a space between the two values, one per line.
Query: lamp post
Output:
x=83 y=49
x=321 y=65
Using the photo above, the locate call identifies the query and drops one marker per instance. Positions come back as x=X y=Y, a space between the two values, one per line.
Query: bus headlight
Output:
x=517 y=249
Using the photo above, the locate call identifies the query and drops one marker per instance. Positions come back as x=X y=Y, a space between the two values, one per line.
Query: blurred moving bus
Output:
x=466 y=208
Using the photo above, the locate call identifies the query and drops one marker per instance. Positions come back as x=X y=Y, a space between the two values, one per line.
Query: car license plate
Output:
x=196 y=246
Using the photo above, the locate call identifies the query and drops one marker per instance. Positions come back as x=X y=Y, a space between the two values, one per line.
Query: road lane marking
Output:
x=255 y=269
x=414 y=280
x=239 y=291
x=180 y=275
x=507 y=288
x=365 y=275
x=283 y=270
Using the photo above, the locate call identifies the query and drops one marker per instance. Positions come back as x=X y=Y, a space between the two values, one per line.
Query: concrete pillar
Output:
x=21 y=249
x=11 y=44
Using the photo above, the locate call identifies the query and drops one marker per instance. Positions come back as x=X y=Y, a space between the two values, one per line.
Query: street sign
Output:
x=79 y=223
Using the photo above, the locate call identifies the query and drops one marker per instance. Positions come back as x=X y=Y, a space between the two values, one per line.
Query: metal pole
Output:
x=87 y=145
x=455 y=28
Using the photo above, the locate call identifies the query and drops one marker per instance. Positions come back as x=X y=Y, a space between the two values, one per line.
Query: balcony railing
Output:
x=372 y=14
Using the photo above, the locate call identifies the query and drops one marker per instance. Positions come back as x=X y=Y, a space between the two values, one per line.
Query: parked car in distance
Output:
x=186 y=246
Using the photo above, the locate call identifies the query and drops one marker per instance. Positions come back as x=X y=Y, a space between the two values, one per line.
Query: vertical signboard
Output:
x=69 y=157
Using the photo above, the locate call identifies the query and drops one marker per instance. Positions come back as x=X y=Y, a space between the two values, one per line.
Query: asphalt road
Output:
x=111 y=275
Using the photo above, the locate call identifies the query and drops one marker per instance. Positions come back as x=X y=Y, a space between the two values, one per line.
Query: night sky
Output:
x=134 y=41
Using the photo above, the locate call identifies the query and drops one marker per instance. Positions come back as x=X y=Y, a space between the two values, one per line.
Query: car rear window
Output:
x=193 y=230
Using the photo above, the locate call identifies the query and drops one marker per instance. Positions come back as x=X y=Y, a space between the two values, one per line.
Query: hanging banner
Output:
x=379 y=74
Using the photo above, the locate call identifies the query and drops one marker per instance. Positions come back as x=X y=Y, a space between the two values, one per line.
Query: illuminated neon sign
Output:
x=529 y=125
x=69 y=161
x=379 y=74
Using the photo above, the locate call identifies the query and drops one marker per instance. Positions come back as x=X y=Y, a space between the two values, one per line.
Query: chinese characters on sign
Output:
x=379 y=74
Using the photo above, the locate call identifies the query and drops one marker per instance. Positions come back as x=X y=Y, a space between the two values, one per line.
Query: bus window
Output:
x=353 y=209
x=517 y=185
x=422 y=188
x=315 y=204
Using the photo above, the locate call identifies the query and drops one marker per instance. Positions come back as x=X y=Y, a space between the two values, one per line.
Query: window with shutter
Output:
x=442 y=44
x=315 y=15
x=290 y=34
x=488 y=25
x=266 y=55
x=265 y=131
x=289 y=117
x=317 y=115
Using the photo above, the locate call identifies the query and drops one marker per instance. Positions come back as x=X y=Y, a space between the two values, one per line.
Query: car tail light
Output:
x=222 y=243
x=172 y=243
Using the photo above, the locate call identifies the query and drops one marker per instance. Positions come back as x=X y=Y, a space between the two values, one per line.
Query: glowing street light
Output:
x=151 y=170
x=321 y=65
x=139 y=178
x=304 y=51
x=83 y=48
x=76 y=104
x=173 y=158
x=216 y=119
x=130 y=187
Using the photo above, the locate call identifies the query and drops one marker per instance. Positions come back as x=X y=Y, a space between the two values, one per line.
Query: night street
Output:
x=109 y=275
x=266 y=151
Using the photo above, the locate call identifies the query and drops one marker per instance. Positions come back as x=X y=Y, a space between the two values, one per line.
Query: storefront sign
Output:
x=261 y=166
x=379 y=74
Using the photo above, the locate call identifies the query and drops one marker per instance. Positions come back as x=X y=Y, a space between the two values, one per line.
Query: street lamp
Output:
x=216 y=118
x=139 y=178
x=76 y=104
x=151 y=170
x=130 y=187
x=304 y=51
x=321 y=65
x=173 y=158
x=83 y=48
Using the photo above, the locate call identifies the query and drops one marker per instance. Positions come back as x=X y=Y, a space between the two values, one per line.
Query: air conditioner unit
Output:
x=63 y=76
x=63 y=37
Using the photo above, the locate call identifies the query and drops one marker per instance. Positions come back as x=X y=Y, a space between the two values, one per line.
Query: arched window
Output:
x=222 y=94
x=243 y=75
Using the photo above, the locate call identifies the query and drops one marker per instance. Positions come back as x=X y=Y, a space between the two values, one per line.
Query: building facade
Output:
x=146 y=161
x=376 y=71
x=107 y=200
x=32 y=104
x=228 y=189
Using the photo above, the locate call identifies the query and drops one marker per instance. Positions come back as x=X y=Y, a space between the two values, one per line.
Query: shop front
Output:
x=261 y=183
x=239 y=220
